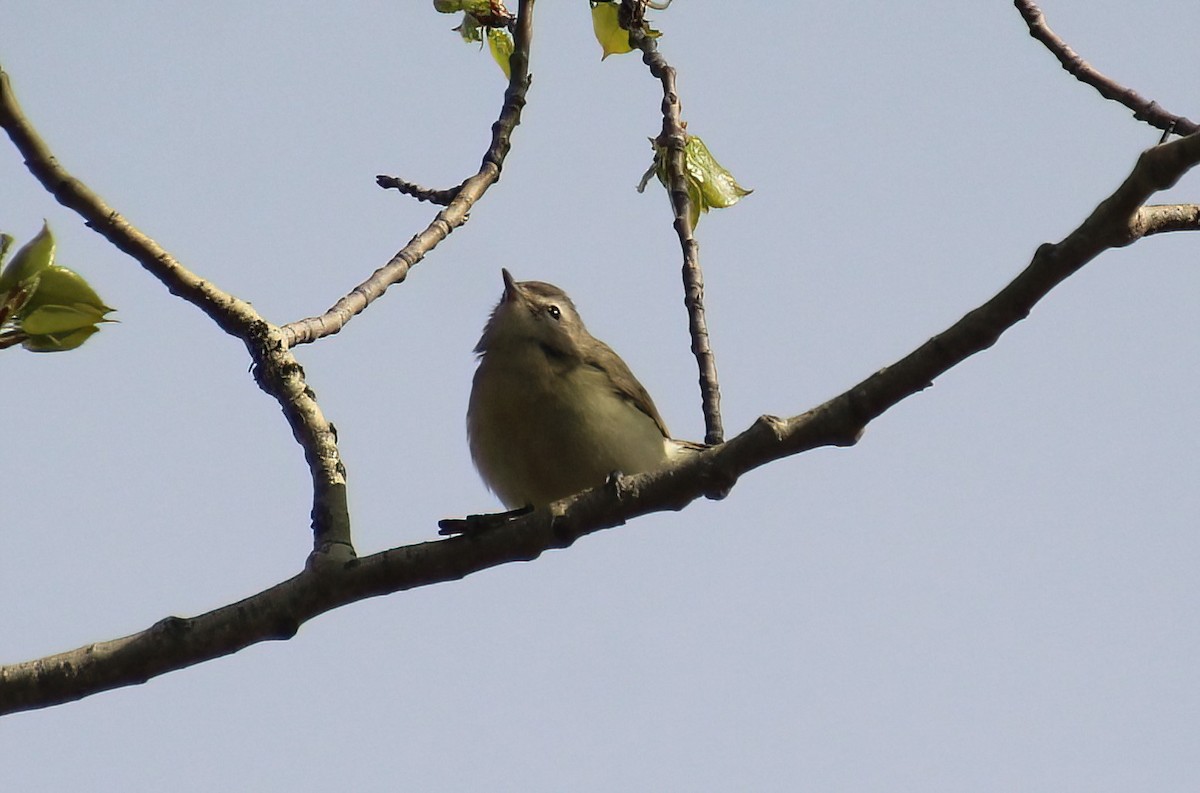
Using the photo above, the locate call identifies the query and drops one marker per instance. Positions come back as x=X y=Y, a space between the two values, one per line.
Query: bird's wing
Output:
x=627 y=386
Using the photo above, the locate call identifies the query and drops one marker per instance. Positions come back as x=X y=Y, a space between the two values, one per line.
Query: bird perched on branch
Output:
x=553 y=409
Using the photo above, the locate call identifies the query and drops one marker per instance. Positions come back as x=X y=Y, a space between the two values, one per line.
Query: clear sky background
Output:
x=995 y=590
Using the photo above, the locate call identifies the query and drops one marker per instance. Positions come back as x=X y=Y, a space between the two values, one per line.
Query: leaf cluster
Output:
x=45 y=307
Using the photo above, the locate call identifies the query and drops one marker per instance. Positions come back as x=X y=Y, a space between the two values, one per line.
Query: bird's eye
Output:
x=554 y=313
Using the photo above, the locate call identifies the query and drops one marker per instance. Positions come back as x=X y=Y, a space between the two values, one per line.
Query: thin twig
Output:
x=1143 y=109
x=454 y=215
x=433 y=195
x=275 y=369
x=673 y=139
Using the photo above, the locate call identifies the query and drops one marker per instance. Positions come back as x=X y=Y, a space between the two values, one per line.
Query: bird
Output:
x=553 y=410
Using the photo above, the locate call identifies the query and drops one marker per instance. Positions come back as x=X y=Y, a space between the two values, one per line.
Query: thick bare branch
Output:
x=673 y=139
x=275 y=369
x=175 y=643
x=1143 y=109
x=454 y=215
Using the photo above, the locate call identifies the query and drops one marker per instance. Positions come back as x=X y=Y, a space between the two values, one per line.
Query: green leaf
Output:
x=63 y=287
x=709 y=184
x=470 y=29
x=500 y=42
x=62 y=313
x=34 y=256
x=59 y=319
x=59 y=342
x=483 y=20
x=480 y=7
x=613 y=39
x=719 y=188
x=50 y=307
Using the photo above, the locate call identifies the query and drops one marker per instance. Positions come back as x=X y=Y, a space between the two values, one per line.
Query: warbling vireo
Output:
x=553 y=409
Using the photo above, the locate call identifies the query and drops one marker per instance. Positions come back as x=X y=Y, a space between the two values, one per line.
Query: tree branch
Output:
x=431 y=194
x=276 y=613
x=1143 y=109
x=673 y=139
x=454 y=215
x=275 y=369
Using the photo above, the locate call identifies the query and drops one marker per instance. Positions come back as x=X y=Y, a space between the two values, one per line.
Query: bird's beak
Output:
x=510 y=286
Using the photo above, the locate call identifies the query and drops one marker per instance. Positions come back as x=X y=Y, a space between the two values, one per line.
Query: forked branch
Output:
x=275 y=369
x=459 y=201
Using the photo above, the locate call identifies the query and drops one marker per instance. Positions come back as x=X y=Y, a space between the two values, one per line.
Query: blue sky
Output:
x=993 y=591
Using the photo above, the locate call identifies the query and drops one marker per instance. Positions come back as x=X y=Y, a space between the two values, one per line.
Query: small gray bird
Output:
x=554 y=410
